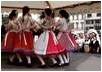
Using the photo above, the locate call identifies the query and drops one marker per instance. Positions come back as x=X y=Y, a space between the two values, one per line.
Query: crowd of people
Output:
x=89 y=42
x=55 y=40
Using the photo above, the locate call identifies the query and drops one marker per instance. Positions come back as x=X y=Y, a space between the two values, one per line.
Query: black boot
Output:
x=42 y=66
x=10 y=63
x=29 y=65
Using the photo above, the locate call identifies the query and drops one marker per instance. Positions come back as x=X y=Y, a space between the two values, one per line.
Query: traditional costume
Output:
x=26 y=37
x=65 y=37
x=47 y=43
x=9 y=42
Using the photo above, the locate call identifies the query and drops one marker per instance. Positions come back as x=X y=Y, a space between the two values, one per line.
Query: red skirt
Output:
x=47 y=44
x=67 y=40
x=53 y=48
x=8 y=42
x=74 y=43
x=25 y=43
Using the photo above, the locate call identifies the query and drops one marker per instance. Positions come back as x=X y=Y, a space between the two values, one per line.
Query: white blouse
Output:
x=13 y=26
x=28 y=21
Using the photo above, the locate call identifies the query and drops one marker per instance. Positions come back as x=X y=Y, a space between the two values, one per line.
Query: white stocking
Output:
x=11 y=58
x=41 y=60
x=28 y=59
x=68 y=56
x=53 y=59
x=19 y=57
x=65 y=59
x=61 y=59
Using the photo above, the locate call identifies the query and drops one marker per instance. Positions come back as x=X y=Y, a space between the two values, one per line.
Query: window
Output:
x=80 y=16
x=89 y=21
x=97 y=21
x=82 y=24
x=75 y=17
x=87 y=28
x=98 y=14
x=74 y=25
x=77 y=25
x=90 y=27
x=71 y=17
x=89 y=15
x=98 y=26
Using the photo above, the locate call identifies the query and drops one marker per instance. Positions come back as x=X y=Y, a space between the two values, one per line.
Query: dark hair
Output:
x=53 y=15
x=48 y=12
x=25 y=10
x=13 y=14
x=64 y=14
x=42 y=15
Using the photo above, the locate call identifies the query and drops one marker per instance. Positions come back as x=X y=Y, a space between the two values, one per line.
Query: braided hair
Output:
x=13 y=14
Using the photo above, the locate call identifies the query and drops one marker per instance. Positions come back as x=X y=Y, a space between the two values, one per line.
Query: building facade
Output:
x=84 y=22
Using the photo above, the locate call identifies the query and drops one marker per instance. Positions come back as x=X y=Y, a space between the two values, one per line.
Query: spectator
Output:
x=96 y=46
x=86 y=44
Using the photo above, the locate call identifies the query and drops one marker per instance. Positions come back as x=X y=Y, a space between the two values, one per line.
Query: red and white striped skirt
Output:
x=24 y=44
x=9 y=42
x=67 y=40
x=47 y=44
